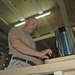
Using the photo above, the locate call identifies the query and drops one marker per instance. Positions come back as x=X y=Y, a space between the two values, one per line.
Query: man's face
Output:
x=31 y=25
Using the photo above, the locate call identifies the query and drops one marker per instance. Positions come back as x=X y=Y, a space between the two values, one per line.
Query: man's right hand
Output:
x=44 y=53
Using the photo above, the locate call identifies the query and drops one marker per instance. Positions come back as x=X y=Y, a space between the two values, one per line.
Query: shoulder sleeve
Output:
x=14 y=32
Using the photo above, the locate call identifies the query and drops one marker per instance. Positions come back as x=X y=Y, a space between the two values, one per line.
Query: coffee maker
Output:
x=65 y=40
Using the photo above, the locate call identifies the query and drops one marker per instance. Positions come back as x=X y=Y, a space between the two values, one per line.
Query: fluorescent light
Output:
x=19 y=24
x=42 y=15
x=37 y=17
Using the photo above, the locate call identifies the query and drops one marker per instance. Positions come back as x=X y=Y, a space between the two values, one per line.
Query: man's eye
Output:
x=33 y=23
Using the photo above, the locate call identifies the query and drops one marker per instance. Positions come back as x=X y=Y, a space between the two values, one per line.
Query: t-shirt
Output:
x=26 y=38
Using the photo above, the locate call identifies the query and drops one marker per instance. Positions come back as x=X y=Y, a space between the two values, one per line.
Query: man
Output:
x=22 y=46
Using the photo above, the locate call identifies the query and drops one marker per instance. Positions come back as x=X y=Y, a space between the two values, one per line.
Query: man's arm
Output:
x=20 y=46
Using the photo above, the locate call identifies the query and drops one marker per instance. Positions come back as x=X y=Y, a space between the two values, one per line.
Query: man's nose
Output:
x=34 y=27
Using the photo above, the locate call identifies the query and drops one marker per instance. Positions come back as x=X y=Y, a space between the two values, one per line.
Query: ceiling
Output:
x=15 y=11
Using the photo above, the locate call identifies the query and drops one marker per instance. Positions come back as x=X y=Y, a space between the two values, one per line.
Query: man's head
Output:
x=31 y=24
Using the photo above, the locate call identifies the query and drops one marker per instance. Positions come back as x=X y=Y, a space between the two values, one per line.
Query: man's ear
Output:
x=26 y=21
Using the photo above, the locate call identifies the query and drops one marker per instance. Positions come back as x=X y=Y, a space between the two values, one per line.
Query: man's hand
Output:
x=44 y=53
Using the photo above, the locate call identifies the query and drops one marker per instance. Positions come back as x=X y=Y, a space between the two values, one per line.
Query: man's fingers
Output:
x=45 y=57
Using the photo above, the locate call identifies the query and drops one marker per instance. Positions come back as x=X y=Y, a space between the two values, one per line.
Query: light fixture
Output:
x=37 y=17
x=42 y=15
x=19 y=24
